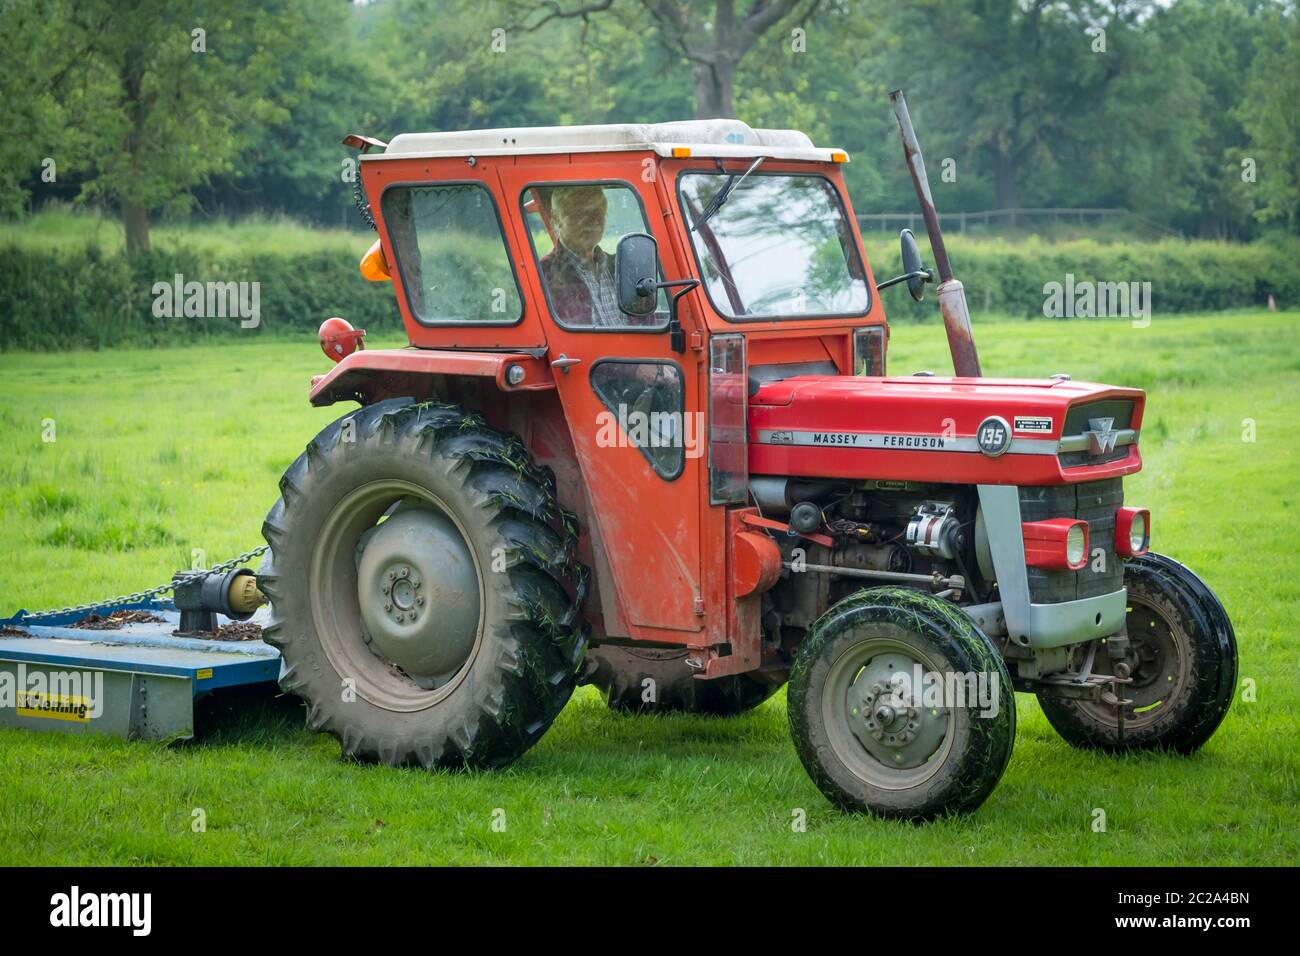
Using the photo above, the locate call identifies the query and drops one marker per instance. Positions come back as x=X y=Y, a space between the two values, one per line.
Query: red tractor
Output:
x=643 y=437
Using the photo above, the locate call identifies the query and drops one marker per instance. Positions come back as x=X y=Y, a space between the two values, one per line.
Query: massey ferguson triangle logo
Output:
x=1102 y=437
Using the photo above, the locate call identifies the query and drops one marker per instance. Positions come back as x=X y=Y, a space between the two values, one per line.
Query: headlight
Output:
x=1076 y=545
x=1132 y=531
x=1137 y=534
x=1059 y=544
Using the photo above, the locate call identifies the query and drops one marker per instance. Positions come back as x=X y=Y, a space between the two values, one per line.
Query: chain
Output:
x=138 y=596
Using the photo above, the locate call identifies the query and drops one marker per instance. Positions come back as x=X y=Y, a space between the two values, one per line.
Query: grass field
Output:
x=161 y=452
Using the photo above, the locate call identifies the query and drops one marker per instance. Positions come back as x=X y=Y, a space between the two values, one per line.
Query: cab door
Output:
x=632 y=403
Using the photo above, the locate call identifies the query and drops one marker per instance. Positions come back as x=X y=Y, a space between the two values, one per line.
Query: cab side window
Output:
x=452 y=254
x=646 y=404
x=575 y=229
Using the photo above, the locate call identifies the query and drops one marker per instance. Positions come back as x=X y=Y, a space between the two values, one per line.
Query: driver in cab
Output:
x=579 y=274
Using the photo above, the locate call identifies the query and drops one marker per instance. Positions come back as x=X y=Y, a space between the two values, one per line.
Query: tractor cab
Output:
x=506 y=249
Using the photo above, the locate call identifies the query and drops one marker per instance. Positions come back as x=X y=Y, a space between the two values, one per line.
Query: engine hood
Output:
x=929 y=428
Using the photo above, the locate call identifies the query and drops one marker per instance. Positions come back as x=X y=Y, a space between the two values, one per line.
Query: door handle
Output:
x=563 y=363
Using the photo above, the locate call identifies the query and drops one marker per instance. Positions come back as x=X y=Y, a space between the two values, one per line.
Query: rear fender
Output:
x=372 y=375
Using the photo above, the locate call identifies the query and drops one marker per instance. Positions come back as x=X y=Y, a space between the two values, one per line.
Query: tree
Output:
x=1009 y=83
x=1270 y=117
x=829 y=81
x=155 y=100
x=713 y=37
x=38 y=88
x=332 y=84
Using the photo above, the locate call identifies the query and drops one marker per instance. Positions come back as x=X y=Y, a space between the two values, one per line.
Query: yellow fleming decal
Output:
x=53 y=706
x=203 y=674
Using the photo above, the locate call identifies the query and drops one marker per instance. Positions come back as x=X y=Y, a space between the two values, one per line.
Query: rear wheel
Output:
x=424 y=588
x=1183 y=665
x=900 y=706
x=651 y=679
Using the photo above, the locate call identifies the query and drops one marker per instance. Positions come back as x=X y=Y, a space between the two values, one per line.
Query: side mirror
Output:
x=912 y=268
x=636 y=262
x=914 y=274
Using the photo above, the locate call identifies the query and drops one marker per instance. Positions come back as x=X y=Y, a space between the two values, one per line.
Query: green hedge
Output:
x=1185 y=276
x=83 y=297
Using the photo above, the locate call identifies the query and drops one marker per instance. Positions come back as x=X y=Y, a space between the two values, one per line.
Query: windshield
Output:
x=778 y=247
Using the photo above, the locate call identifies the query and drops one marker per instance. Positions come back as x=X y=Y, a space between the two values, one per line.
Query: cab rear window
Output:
x=451 y=254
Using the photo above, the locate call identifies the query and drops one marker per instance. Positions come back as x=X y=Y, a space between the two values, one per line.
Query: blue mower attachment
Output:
x=138 y=681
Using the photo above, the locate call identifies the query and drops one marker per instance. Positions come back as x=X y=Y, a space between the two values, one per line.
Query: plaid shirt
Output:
x=600 y=307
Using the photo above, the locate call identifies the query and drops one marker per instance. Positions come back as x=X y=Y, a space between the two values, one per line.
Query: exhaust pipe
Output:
x=952 y=297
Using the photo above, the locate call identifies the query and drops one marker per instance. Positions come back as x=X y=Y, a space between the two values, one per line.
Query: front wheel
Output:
x=1182 y=661
x=900 y=706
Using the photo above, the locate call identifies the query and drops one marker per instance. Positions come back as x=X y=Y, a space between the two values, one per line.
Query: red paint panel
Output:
x=649 y=526
x=756 y=563
x=743 y=612
x=939 y=408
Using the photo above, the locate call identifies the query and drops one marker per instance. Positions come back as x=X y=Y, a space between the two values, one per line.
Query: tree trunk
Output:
x=1006 y=181
x=715 y=90
x=135 y=219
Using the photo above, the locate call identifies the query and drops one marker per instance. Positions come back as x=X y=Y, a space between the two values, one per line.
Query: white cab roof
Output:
x=716 y=137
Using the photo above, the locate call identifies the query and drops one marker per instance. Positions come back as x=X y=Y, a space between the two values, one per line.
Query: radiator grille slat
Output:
x=1096 y=503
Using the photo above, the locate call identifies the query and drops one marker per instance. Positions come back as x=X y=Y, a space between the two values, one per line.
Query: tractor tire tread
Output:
x=539 y=640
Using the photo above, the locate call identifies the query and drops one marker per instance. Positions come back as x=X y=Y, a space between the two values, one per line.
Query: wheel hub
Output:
x=400 y=593
x=887 y=715
x=1154 y=666
x=418 y=594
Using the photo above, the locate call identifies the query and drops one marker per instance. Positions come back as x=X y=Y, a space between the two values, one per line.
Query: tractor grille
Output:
x=1077 y=422
x=1096 y=503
